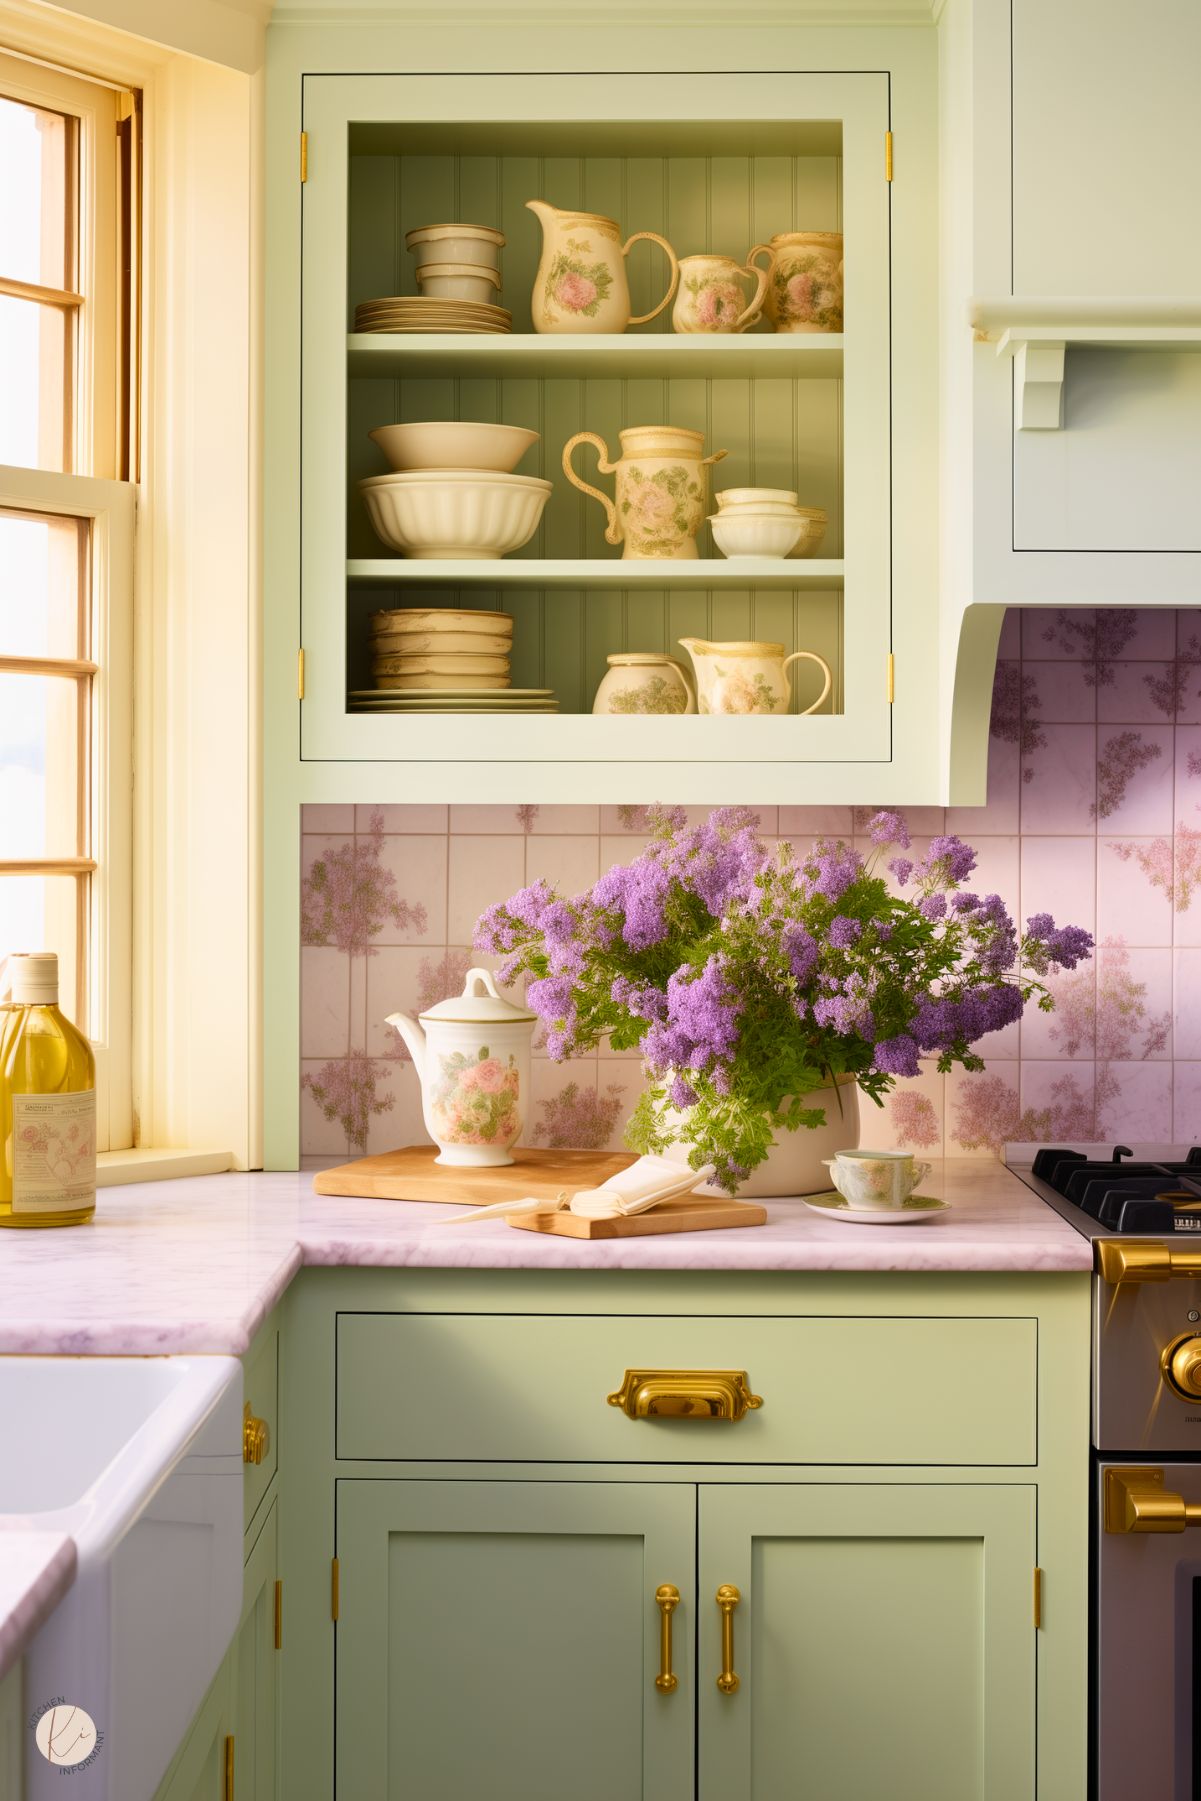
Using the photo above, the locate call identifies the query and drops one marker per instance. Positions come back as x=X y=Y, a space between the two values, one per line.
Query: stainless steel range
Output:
x=1143 y=1213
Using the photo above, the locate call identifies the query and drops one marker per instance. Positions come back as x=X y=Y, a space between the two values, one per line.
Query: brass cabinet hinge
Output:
x=300 y=675
x=279 y=1615
x=333 y=1589
x=1038 y=1598
x=227 y=1785
x=304 y=156
x=888 y=156
x=890 y=681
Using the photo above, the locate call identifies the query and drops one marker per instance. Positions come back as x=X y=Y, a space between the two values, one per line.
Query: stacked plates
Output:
x=444 y=660
x=428 y=313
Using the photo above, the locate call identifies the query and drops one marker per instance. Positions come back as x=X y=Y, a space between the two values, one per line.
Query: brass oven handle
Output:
x=667 y=1599
x=256 y=1437
x=685 y=1395
x=1136 y=1501
x=1144 y=1261
x=727 y=1598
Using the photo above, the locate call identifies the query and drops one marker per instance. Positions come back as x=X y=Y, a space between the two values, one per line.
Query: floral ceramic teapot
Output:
x=581 y=281
x=473 y=1062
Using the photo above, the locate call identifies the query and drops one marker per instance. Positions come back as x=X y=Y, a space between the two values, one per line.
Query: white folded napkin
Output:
x=643 y=1185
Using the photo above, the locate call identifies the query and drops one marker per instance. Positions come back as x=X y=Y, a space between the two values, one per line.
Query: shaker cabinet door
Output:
x=503 y=1640
x=882 y=1639
x=256 y=1682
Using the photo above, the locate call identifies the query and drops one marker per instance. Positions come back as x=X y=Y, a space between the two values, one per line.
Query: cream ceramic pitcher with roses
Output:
x=661 y=488
x=473 y=1062
x=581 y=281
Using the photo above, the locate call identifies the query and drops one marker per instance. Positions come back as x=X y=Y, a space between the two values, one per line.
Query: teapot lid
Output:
x=479 y=1004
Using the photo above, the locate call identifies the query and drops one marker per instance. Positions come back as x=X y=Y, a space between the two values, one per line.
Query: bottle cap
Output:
x=34 y=979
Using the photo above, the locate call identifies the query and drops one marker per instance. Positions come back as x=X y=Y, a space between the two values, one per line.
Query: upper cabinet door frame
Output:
x=735 y=1745
x=862 y=731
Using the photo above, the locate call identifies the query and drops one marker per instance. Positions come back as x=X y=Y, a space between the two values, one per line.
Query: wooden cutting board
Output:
x=412 y=1175
x=692 y=1213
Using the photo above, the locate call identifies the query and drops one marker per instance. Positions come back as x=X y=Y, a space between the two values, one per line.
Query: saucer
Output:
x=910 y=1213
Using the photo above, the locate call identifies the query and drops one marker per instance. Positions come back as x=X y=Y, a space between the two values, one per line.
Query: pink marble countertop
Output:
x=197 y=1264
x=36 y=1570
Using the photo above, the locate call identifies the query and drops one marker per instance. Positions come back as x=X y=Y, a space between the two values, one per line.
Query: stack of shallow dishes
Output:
x=766 y=522
x=451 y=493
x=427 y=313
x=444 y=660
x=458 y=283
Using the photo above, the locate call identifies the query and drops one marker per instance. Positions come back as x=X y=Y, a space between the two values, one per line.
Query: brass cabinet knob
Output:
x=256 y=1437
x=1181 y=1366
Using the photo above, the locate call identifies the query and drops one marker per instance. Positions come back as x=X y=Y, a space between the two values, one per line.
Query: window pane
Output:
x=40 y=752
x=42 y=913
x=35 y=345
x=37 y=154
x=42 y=592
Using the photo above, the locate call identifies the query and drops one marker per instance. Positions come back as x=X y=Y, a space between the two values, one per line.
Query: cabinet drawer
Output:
x=260 y=1393
x=533 y=1388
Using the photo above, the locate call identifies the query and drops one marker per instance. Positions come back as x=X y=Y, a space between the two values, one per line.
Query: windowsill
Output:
x=113 y=1167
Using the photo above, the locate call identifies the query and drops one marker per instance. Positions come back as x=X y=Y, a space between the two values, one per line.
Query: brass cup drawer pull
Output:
x=256 y=1437
x=667 y=1599
x=1136 y=1501
x=727 y=1598
x=685 y=1395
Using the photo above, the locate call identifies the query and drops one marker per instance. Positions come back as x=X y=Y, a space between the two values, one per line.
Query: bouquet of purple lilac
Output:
x=749 y=977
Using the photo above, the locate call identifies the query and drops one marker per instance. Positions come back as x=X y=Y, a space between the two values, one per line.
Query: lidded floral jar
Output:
x=472 y=1054
x=805 y=290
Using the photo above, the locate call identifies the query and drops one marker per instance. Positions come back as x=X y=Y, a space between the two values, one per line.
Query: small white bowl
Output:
x=754 y=497
x=442 y=619
x=814 y=521
x=458 y=281
x=453 y=444
x=478 y=244
x=455 y=513
x=748 y=534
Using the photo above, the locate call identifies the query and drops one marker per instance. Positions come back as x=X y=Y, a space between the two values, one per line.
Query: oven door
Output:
x=1147 y=1625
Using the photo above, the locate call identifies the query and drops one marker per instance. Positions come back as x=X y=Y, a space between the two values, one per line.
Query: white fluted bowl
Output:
x=449 y=513
x=747 y=534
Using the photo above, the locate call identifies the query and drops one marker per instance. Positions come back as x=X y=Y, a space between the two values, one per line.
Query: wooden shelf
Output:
x=788 y=354
x=598 y=572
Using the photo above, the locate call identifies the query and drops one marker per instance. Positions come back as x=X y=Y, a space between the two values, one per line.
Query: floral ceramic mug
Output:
x=876 y=1179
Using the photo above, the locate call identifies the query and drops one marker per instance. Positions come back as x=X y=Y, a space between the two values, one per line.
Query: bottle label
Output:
x=54 y=1152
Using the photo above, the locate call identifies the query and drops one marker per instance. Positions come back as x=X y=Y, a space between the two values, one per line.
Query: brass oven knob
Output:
x=256 y=1437
x=1181 y=1365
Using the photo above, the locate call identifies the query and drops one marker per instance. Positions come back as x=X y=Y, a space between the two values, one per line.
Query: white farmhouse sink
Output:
x=140 y=1460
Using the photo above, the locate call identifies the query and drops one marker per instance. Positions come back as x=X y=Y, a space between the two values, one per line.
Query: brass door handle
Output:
x=667 y=1599
x=1136 y=1501
x=256 y=1437
x=1144 y=1261
x=685 y=1395
x=727 y=1598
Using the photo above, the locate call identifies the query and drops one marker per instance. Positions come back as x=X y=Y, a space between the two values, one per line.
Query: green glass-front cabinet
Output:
x=505 y=1638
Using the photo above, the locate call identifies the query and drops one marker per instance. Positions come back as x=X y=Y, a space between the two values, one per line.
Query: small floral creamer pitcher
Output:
x=712 y=293
x=473 y=1063
x=748 y=676
x=805 y=292
x=581 y=281
x=661 y=484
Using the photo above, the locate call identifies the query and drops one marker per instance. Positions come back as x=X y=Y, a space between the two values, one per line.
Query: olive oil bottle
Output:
x=47 y=1104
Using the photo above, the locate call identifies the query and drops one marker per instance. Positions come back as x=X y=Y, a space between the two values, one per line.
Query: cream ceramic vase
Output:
x=581 y=281
x=472 y=1054
x=713 y=292
x=748 y=676
x=805 y=290
x=796 y=1163
x=661 y=488
x=644 y=682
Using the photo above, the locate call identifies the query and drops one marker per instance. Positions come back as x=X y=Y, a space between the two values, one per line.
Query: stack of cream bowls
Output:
x=424 y=649
x=452 y=493
x=766 y=522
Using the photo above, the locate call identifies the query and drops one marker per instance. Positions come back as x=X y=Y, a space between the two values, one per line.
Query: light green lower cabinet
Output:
x=502 y=1639
x=884 y=1642
x=11 y=1735
x=230 y=1752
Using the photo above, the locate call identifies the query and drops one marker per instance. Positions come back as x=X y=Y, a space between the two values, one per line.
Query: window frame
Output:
x=90 y=491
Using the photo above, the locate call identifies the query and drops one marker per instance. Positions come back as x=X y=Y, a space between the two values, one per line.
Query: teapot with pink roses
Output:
x=472 y=1055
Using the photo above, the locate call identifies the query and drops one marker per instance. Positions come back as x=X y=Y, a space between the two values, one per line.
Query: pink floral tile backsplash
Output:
x=1093 y=814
